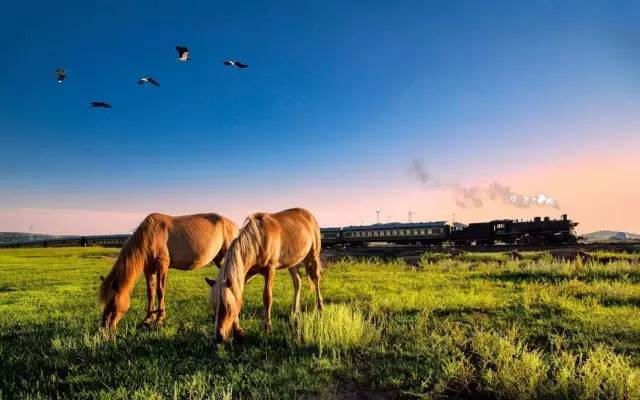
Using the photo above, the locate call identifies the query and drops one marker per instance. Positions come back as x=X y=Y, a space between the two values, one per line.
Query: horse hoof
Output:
x=145 y=324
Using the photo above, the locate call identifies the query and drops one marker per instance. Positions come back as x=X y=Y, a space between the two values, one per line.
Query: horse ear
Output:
x=101 y=278
x=210 y=282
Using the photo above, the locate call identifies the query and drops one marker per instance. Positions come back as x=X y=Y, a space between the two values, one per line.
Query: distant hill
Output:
x=602 y=236
x=12 y=237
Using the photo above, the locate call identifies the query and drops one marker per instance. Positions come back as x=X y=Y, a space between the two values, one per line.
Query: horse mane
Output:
x=246 y=247
x=131 y=260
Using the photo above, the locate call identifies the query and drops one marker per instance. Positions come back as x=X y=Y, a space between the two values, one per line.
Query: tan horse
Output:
x=266 y=242
x=159 y=243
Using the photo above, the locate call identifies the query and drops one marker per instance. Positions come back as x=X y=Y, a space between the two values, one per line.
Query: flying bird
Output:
x=62 y=74
x=238 y=64
x=148 y=79
x=99 y=104
x=183 y=53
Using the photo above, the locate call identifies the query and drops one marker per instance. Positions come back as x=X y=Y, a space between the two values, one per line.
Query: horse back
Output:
x=194 y=240
x=291 y=235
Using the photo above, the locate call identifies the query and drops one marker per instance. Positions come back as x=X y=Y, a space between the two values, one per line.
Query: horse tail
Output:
x=131 y=259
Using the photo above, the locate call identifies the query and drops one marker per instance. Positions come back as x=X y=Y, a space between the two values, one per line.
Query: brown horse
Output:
x=159 y=243
x=266 y=242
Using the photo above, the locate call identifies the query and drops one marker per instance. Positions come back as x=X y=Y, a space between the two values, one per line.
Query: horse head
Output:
x=226 y=301
x=116 y=303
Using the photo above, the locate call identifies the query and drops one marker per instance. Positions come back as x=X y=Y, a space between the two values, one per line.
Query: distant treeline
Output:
x=13 y=237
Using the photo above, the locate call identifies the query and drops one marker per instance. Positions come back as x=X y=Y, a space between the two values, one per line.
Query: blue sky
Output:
x=338 y=94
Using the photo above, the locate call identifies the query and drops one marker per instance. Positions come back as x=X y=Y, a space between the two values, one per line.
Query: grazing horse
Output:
x=161 y=242
x=266 y=242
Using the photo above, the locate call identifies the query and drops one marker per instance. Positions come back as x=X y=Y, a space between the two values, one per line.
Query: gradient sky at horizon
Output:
x=338 y=100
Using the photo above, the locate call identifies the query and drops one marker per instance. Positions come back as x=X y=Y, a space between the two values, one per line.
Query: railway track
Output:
x=412 y=253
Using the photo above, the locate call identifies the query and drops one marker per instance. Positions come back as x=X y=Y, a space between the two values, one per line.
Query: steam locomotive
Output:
x=537 y=232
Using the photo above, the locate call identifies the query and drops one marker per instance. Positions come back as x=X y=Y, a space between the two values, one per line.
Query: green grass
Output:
x=471 y=327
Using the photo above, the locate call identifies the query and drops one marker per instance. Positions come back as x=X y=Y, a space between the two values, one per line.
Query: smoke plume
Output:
x=419 y=172
x=469 y=197
x=476 y=196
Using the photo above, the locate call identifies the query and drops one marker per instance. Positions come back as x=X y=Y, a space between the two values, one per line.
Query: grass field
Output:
x=469 y=328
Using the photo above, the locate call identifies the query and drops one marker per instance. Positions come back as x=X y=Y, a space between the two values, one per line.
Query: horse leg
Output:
x=163 y=269
x=313 y=269
x=150 y=276
x=295 y=276
x=267 y=295
x=218 y=259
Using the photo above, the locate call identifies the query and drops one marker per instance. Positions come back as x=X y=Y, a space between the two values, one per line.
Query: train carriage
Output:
x=425 y=233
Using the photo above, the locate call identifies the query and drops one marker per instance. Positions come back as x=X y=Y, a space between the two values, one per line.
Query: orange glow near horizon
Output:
x=598 y=192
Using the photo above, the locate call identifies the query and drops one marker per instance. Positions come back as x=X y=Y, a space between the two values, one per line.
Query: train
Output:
x=74 y=241
x=537 y=232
